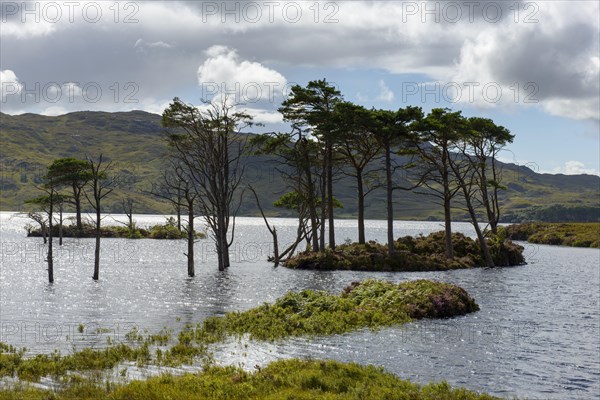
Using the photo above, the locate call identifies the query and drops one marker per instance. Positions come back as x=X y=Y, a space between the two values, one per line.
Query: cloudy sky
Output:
x=531 y=66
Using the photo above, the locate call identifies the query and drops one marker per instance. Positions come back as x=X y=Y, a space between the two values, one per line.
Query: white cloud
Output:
x=141 y=45
x=9 y=84
x=263 y=116
x=575 y=168
x=224 y=73
x=54 y=111
x=385 y=93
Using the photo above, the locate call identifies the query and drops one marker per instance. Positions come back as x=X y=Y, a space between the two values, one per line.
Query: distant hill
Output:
x=133 y=141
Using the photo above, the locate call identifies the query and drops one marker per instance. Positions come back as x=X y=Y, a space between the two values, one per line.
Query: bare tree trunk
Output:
x=361 y=207
x=323 y=208
x=447 y=210
x=50 y=256
x=222 y=245
x=448 y=229
x=482 y=243
x=77 y=198
x=97 y=249
x=190 y=240
x=178 y=211
x=330 y=196
x=389 y=201
x=60 y=224
x=44 y=233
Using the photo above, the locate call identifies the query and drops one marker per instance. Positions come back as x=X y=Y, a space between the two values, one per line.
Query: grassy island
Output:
x=585 y=234
x=422 y=253
x=159 y=231
x=368 y=304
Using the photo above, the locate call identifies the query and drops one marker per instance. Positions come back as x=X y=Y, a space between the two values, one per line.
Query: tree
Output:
x=359 y=147
x=74 y=173
x=392 y=129
x=435 y=135
x=296 y=161
x=301 y=232
x=312 y=108
x=464 y=172
x=100 y=185
x=485 y=141
x=176 y=188
x=210 y=145
x=47 y=202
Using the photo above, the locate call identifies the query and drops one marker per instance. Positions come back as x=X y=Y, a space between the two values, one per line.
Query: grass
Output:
x=368 y=304
x=423 y=253
x=564 y=234
x=286 y=379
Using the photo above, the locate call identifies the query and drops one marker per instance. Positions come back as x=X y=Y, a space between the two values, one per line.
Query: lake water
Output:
x=537 y=334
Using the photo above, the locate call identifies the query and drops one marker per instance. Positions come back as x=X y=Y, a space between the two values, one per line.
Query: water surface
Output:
x=537 y=334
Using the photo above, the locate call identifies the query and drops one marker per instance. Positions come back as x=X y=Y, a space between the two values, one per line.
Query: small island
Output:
x=168 y=230
x=422 y=253
x=584 y=234
x=368 y=304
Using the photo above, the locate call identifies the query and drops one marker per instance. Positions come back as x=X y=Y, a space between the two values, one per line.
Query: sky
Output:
x=533 y=67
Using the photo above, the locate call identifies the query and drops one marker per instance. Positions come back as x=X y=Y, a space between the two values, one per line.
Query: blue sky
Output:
x=59 y=57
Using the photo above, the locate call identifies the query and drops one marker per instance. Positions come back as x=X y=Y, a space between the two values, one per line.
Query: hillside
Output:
x=133 y=141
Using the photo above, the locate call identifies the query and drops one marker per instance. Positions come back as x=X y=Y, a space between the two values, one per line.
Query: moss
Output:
x=564 y=234
x=285 y=379
x=423 y=253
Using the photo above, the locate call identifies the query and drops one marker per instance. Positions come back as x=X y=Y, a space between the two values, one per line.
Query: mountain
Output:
x=133 y=141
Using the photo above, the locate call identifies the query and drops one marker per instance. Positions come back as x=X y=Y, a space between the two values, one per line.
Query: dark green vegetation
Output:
x=134 y=141
x=160 y=231
x=565 y=234
x=285 y=379
x=423 y=253
x=368 y=304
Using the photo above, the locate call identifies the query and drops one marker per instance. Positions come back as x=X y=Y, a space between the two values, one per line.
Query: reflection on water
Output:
x=536 y=334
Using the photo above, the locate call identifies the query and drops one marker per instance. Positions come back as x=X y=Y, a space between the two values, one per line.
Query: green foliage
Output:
x=294 y=200
x=292 y=379
x=423 y=253
x=368 y=304
x=566 y=234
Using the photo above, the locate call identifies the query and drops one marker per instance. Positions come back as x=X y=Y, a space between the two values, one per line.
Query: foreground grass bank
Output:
x=368 y=304
x=565 y=234
x=286 y=379
x=422 y=253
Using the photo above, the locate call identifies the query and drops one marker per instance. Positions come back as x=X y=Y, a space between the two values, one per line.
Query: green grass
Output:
x=564 y=234
x=281 y=380
x=422 y=253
